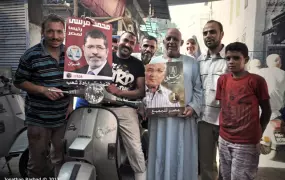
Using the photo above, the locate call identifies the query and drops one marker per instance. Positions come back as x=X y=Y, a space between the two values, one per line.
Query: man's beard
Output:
x=146 y=57
x=213 y=46
x=125 y=55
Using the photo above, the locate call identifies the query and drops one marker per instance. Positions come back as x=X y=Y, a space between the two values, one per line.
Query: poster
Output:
x=88 y=52
x=164 y=89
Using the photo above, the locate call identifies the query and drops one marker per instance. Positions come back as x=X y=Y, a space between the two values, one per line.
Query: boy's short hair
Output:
x=239 y=47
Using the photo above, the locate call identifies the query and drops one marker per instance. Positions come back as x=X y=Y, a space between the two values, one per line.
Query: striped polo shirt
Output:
x=40 y=68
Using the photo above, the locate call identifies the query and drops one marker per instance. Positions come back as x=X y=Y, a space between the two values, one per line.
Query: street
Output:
x=268 y=169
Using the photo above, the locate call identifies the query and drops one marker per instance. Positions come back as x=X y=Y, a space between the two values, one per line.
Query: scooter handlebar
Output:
x=4 y=79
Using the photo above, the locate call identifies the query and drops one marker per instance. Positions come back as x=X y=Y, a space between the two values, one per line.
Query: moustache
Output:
x=54 y=39
x=126 y=48
x=94 y=57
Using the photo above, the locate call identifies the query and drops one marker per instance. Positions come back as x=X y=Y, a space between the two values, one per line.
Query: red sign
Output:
x=88 y=52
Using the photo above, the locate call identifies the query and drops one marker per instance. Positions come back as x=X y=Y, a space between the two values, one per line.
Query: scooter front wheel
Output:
x=23 y=163
x=77 y=171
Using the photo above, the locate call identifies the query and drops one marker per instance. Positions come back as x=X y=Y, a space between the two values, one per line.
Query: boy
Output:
x=240 y=94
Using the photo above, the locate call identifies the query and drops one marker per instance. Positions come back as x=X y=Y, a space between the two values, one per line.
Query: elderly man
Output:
x=275 y=79
x=157 y=96
x=173 y=147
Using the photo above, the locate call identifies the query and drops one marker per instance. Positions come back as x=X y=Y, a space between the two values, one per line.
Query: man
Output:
x=148 y=48
x=129 y=84
x=157 y=96
x=254 y=66
x=192 y=47
x=212 y=65
x=114 y=44
x=275 y=79
x=173 y=151
x=95 y=50
x=40 y=69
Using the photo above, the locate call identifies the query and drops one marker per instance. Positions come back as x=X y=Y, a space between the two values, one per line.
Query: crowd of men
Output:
x=222 y=105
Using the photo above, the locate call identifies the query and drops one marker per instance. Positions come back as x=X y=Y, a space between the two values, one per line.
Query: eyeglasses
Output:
x=98 y=48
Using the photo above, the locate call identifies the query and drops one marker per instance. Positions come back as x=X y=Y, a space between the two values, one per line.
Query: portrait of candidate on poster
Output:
x=164 y=86
x=88 y=52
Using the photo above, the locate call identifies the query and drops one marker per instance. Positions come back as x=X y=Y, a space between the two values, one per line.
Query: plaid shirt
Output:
x=211 y=68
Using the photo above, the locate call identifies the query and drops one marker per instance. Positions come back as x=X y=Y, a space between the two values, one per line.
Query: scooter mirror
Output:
x=94 y=93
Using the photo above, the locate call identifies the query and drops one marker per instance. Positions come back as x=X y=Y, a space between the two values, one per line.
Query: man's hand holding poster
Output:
x=88 y=51
x=164 y=89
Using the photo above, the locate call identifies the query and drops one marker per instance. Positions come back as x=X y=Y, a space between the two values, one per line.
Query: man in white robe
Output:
x=275 y=79
x=173 y=145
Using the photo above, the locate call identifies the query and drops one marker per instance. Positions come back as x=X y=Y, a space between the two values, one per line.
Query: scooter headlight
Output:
x=265 y=145
x=94 y=93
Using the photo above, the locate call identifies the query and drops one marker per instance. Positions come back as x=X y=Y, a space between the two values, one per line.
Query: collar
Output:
x=97 y=70
x=159 y=90
x=45 y=51
x=219 y=55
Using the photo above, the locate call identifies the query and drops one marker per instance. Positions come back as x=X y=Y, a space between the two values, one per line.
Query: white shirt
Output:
x=211 y=68
x=159 y=99
x=97 y=70
x=275 y=79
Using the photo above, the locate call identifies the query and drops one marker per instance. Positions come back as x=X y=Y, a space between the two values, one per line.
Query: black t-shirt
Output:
x=126 y=72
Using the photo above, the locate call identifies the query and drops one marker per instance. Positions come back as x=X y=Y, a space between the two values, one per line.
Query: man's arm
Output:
x=23 y=78
x=264 y=102
x=31 y=88
x=196 y=102
x=265 y=113
x=137 y=93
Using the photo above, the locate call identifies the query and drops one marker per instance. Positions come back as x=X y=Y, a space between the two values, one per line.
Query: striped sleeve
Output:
x=24 y=71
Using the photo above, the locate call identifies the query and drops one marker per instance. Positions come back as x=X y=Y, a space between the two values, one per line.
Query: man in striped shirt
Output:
x=40 y=69
x=212 y=65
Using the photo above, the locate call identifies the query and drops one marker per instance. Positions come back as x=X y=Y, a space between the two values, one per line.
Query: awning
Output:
x=103 y=8
x=155 y=8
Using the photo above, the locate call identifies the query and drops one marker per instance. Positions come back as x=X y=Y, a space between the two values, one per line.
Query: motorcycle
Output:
x=93 y=146
x=13 y=133
x=273 y=141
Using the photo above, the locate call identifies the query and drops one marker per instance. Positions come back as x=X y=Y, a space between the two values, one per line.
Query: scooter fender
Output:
x=20 y=144
x=77 y=171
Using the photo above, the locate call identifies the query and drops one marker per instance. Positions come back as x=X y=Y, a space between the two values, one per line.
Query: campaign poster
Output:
x=165 y=94
x=88 y=52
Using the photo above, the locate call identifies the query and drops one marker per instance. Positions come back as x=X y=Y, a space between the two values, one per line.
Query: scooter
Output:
x=13 y=133
x=273 y=141
x=93 y=146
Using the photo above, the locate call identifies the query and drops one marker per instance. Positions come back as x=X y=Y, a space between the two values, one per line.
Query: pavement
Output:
x=268 y=169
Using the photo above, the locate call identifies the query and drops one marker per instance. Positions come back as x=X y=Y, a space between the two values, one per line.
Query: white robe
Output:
x=173 y=143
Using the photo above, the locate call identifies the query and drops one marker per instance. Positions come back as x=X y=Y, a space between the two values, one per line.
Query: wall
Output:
x=238 y=20
x=35 y=34
x=273 y=9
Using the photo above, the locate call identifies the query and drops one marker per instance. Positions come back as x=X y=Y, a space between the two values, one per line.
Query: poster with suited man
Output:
x=88 y=55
